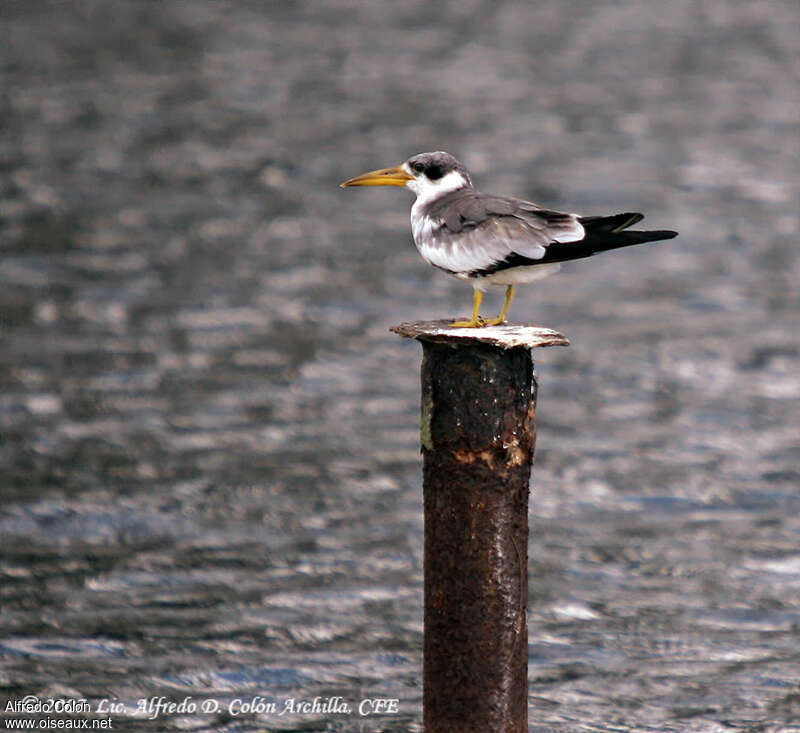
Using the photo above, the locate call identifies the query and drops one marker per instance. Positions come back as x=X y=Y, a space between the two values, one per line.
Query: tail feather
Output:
x=604 y=233
x=614 y=223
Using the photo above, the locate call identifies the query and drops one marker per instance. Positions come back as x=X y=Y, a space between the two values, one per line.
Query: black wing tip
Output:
x=612 y=223
x=640 y=236
x=663 y=233
x=633 y=217
x=630 y=218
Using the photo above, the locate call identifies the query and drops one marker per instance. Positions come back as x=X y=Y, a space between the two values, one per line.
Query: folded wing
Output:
x=470 y=232
x=477 y=234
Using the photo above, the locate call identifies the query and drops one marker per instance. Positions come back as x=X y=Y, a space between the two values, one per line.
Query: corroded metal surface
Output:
x=478 y=415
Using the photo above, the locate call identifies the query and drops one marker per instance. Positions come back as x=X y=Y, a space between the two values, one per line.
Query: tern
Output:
x=495 y=240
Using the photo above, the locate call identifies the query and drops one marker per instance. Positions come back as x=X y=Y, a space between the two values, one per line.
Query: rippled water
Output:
x=209 y=450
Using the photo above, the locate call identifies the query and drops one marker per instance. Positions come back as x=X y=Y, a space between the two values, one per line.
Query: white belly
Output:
x=515 y=275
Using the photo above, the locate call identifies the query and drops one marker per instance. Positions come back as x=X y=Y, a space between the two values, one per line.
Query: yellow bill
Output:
x=383 y=177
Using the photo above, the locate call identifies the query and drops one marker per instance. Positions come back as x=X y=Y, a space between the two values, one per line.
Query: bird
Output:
x=493 y=240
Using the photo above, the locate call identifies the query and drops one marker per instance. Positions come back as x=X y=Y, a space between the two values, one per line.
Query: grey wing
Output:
x=478 y=232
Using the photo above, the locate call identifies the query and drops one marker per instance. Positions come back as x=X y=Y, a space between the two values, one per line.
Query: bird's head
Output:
x=428 y=175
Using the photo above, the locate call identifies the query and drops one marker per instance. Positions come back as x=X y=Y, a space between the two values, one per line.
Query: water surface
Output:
x=209 y=449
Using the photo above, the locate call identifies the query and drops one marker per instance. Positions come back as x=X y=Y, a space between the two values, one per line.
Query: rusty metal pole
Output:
x=478 y=439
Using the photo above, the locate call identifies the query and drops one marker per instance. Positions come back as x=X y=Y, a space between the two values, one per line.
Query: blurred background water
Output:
x=209 y=452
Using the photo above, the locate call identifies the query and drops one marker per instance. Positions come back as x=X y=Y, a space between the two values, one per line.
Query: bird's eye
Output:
x=434 y=172
x=418 y=167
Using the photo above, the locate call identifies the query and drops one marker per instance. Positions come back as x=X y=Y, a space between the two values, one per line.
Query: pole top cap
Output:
x=504 y=337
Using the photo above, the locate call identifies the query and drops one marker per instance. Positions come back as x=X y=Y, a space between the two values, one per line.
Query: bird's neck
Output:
x=429 y=191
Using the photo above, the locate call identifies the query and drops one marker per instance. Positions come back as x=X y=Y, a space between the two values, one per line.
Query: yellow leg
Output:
x=476 y=321
x=501 y=319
